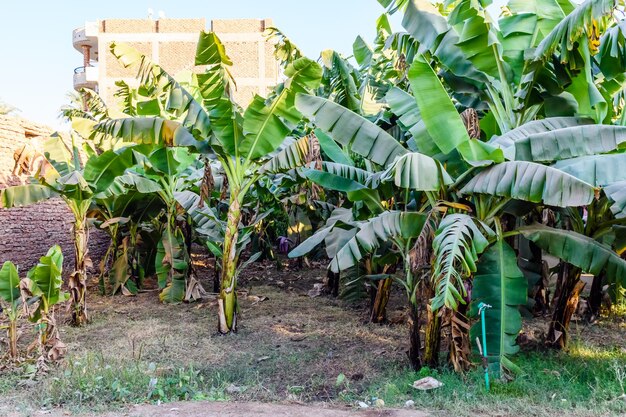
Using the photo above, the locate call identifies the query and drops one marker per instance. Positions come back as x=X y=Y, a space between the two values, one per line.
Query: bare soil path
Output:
x=224 y=409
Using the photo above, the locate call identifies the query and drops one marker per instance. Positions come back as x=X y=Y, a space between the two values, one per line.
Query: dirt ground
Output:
x=217 y=409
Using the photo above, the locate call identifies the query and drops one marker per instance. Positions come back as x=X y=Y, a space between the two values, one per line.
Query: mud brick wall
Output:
x=26 y=233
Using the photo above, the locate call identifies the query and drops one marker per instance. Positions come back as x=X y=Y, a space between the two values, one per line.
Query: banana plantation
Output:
x=454 y=192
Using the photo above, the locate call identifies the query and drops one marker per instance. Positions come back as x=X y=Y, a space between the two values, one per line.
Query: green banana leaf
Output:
x=170 y=161
x=599 y=170
x=339 y=217
x=149 y=131
x=101 y=171
x=9 y=284
x=535 y=127
x=403 y=105
x=266 y=126
x=171 y=265
x=46 y=277
x=178 y=100
x=499 y=283
x=356 y=174
x=24 y=195
x=350 y=130
x=362 y=52
x=616 y=192
x=478 y=39
x=532 y=182
x=291 y=156
x=417 y=172
x=331 y=149
x=441 y=118
x=59 y=155
x=458 y=243
x=332 y=181
x=382 y=228
x=584 y=252
x=570 y=142
x=342 y=80
x=572 y=28
x=425 y=23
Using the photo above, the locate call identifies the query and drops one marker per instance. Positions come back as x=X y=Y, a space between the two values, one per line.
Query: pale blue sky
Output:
x=36 y=37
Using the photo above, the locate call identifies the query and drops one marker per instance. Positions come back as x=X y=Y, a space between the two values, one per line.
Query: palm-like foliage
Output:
x=244 y=142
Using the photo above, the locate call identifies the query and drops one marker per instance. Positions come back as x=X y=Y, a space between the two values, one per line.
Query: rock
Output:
x=409 y=404
x=427 y=383
x=233 y=389
x=361 y=404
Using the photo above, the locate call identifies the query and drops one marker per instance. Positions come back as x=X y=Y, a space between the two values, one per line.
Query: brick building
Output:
x=171 y=43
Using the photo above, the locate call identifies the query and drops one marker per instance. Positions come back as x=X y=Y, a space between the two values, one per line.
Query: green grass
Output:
x=582 y=381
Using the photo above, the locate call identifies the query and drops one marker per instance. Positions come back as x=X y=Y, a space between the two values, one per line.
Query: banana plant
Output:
x=10 y=294
x=244 y=142
x=76 y=185
x=591 y=153
x=40 y=292
x=120 y=210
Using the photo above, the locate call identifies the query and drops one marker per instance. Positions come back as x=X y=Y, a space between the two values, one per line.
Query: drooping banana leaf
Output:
x=616 y=192
x=382 y=228
x=356 y=174
x=149 y=130
x=332 y=181
x=350 y=129
x=24 y=195
x=536 y=127
x=499 y=283
x=292 y=156
x=339 y=217
x=417 y=172
x=171 y=264
x=458 y=243
x=584 y=252
x=205 y=219
x=570 y=142
x=599 y=170
x=403 y=105
x=532 y=182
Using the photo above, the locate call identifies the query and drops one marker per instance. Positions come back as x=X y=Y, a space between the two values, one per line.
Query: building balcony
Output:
x=85 y=77
x=86 y=36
